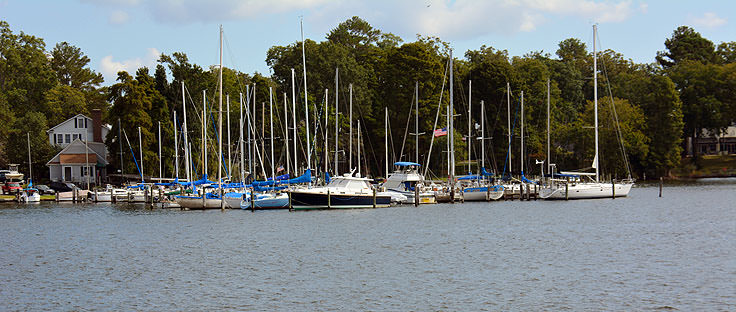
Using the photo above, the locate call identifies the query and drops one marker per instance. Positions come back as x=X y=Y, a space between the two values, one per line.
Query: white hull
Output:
x=482 y=195
x=585 y=191
x=197 y=203
x=31 y=198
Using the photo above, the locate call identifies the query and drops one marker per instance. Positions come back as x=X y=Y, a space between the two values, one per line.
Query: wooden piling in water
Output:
x=329 y=199
x=660 y=186
x=613 y=189
x=291 y=208
x=374 y=197
x=567 y=188
x=416 y=195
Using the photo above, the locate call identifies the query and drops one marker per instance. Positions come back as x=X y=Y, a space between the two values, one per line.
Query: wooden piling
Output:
x=329 y=199
x=660 y=186
x=291 y=208
x=567 y=188
x=416 y=195
x=613 y=189
x=374 y=197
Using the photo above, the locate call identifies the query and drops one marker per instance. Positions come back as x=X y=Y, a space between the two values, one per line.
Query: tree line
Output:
x=651 y=107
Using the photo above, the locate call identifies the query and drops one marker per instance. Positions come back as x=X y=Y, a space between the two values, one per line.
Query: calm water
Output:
x=638 y=253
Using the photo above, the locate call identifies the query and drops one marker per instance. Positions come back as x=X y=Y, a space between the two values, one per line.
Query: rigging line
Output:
x=436 y=117
x=406 y=131
x=132 y=153
x=370 y=143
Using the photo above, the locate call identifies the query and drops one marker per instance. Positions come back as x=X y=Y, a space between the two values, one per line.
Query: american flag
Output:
x=440 y=132
x=280 y=168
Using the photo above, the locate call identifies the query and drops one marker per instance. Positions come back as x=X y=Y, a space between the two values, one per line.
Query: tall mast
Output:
x=286 y=135
x=548 y=132
x=229 y=144
x=204 y=130
x=140 y=148
x=186 y=141
x=447 y=124
x=219 y=130
x=595 y=101
x=242 y=153
x=120 y=138
x=470 y=120
x=350 y=118
x=521 y=158
x=306 y=106
x=253 y=128
x=508 y=120
x=160 y=162
x=250 y=127
x=293 y=114
x=327 y=164
x=176 y=148
x=416 y=121
x=359 y=148
x=337 y=124
x=30 y=164
x=452 y=129
x=270 y=111
x=482 y=134
x=386 y=140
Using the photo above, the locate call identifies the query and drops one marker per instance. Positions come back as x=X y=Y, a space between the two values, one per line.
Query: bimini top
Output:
x=406 y=164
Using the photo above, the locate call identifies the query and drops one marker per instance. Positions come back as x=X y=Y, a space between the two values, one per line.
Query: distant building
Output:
x=722 y=143
x=79 y=159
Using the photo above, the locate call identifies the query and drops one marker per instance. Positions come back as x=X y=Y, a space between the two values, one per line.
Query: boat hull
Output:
x=310 y=200
x=585 y=191
x=196 y=202
x=483 y=193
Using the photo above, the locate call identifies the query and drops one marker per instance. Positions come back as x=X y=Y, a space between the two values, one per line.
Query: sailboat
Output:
x=480 y=188
x=583 y=185
x=30 y=194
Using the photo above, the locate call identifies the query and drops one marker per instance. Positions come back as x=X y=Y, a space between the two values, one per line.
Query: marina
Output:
x=642 y=252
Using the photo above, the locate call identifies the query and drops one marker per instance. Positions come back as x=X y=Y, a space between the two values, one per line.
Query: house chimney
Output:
x=97 y=125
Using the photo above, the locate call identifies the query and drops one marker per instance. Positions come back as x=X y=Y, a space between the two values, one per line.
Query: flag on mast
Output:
x=440 y=132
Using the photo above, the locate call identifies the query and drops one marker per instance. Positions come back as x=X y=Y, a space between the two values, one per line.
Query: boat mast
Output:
x=186 y=142
x=293 y=112
x=327 y=161
x=452 y=128
x=359 y=148
x=508 y=120
x=286 y=135
x=548 y=133
x=120 y=138
x=242 y=154
x=482 y=134
x=337 y=117
x=386 y=140
x=219 y=131
x=176 y=149
x=470 y=119
x=595 y=105
x=140 y=147
x=229 y=144
x=350 y=118
x=521 y=158
x=306 y=106
x=270 y=111
x=204 y=131
x=248 y=102
x=160 y=170
x=30 y=164
x=416 y=121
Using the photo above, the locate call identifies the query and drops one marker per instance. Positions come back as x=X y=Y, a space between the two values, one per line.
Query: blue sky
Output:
x=126 y=34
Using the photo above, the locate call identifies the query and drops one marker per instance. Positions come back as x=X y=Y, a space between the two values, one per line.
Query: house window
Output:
x=67 y=138
x=59 y=138
x=75 y=136
x=85 y=123
x=84 y=170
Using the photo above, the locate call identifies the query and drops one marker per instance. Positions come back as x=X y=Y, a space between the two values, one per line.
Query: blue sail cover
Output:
x=304 y=178
x=268 y=188
x=468 y=177
x=485 y=173
x=524 y=179
x=406 y=164
x=278 y=178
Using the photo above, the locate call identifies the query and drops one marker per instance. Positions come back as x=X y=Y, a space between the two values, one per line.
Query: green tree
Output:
x=70 y=65
x=63 y=102
x=686 y=44
x=34 y=124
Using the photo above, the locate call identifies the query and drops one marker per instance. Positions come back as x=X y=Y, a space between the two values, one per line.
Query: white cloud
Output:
x=708 y=20
x=118 y=17
x=110 y=68
x=188 y=11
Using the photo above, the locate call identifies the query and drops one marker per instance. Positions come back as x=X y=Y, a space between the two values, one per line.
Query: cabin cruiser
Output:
x=342 y=192
x=404 y=181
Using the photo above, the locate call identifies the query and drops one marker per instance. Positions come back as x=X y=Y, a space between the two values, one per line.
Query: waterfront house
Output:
x=716 y=143
x=84 y=153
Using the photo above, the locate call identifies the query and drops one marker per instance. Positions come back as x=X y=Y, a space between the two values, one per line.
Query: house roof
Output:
x=78 y=147
x=65 y=121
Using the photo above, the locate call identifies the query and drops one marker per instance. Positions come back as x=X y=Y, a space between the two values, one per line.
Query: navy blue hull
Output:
x=302 y=201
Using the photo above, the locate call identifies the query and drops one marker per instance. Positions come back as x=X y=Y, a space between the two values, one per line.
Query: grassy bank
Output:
x=707 y=166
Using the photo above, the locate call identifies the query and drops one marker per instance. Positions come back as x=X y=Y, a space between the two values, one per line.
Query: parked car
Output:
x=60 y=187
x=44 y=189
x=11 y=187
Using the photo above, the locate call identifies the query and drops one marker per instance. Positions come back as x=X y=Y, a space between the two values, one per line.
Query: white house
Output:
x=84 y=151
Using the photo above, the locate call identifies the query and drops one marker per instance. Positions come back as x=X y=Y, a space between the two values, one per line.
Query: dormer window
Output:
x=80 y=122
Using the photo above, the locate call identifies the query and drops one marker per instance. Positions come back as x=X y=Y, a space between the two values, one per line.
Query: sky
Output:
x=127 y=34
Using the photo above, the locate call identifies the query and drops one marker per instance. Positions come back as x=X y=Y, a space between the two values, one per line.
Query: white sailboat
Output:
x=580 y=185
